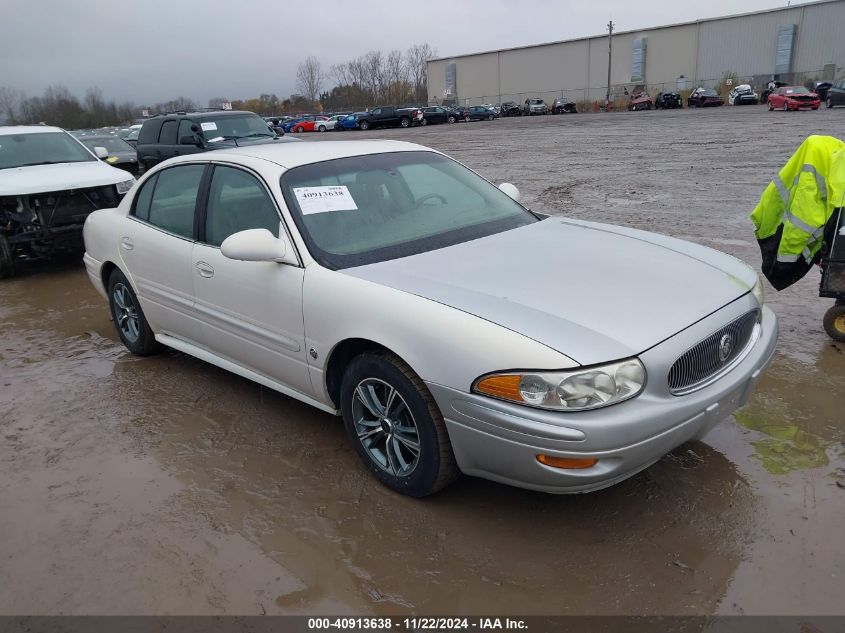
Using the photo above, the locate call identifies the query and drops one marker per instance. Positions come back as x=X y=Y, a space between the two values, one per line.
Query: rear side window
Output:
x=149 y=132
x=168 y=133
x=142 y=200
x=237 y=201
x=174 y=199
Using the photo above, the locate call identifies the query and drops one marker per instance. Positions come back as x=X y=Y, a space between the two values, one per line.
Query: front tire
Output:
x=424 y=122
x=828 y=102
x=405 y=122
x=322 y=128
x=834 y=322
x=490 y=118
x=300 y=129
x=451 y=119
x=7 y=260
x=128 y=318
x=395 y=425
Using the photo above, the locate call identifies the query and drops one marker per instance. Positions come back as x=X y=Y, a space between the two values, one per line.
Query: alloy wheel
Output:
x=386 y=427
x=126 y=312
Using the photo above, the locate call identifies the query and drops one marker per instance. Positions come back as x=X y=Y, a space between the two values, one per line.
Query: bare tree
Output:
x=417 y=57
x=10 y=101
x=309 y=78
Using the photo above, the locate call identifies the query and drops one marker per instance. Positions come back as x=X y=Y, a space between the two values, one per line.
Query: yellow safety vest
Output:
x=790 y=217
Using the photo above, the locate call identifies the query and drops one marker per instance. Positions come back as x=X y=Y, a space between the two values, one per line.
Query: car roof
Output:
x=8 y=130
x=291 y=155
x=201 y=114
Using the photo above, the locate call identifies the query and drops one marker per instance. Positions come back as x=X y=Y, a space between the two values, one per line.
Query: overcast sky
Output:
x=154 y=50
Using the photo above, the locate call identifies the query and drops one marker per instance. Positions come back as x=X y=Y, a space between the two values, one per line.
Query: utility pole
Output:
x=609 y=58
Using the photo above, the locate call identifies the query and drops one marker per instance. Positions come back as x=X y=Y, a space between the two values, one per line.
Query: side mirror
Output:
x=190 y=140
x=257 y=245
x=510 y=190
x=101 y=152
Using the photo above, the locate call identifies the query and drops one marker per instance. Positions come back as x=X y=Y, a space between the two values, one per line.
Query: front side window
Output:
x=45 y=148
x=185 y=129
x=366 y=209
x=236 y=202
x=174 y=199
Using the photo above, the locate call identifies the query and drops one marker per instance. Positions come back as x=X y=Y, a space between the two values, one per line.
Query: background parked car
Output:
x=764 y=97
x=534 y=106
x=49 y=183
x=743 y=94
x=821 y=88
x=435 y=114
x=390 y=116
x=479 y=113
x=510 y=108
x=561 y=106
x=640 y=101
x=350 y=121
x=704 y=97
x=120 y=153
x=793 y=98
x=317 y=124
x=668 y=100
x=178 y=133
x=836 y=94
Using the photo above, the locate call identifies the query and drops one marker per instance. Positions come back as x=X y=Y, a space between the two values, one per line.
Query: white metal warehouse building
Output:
x=797 y=44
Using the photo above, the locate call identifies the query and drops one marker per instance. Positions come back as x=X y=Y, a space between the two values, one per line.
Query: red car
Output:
x=703 y=98
x=640 y=101
x=794 y=98
x=310 y=126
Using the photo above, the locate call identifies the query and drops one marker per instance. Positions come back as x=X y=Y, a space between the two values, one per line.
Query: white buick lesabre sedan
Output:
x=454 y=330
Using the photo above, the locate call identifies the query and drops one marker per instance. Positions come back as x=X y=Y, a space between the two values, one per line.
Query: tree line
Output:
x=397 y=77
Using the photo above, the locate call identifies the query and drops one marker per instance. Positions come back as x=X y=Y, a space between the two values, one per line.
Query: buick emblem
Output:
x=726 y=346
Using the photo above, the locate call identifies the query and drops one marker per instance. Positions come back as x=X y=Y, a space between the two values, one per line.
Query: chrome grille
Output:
x=715 y=354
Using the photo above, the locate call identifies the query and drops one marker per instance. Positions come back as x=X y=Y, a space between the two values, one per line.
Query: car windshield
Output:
x=798 y=90
x=40 y=148
x=709 y=93
x=367 y=209
x=224 y=128
x=113 y=144
x=536 y=101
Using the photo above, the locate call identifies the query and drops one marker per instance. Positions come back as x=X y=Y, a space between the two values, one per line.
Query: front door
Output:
x=251 y=311
x=156 y=245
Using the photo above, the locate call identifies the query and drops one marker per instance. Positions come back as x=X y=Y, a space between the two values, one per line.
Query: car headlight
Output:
x=126 y=185
x=570 y=390
x=759 y=292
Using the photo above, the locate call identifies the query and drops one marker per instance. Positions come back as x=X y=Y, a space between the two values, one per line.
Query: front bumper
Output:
x=500 y=441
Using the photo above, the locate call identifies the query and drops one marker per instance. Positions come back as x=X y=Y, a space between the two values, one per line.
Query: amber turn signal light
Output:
x=573 y=463
x=500 y=386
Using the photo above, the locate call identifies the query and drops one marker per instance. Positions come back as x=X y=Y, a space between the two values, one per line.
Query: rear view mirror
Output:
x=101 y=152
x=510 y=190
x=257 y=245
x=189 y=140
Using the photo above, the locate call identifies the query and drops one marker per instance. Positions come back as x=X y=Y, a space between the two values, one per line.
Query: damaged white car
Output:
x=49 y=183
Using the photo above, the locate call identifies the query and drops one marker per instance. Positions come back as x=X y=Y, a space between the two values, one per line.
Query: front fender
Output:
x=443 y=345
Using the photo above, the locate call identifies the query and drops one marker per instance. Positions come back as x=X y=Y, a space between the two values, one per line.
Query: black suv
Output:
x=178 y=133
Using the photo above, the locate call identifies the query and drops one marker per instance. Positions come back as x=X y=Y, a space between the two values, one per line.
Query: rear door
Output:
x=156 y=245
x=251 y=311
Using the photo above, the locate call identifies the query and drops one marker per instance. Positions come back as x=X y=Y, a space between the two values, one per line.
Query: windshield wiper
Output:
x=47 y=162
x=260 y=135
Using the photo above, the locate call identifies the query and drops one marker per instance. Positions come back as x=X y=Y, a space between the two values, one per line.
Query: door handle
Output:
x=205 y=270
x=127 y=243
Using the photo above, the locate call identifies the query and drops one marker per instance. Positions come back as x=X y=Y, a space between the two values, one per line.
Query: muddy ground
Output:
x=165 y=485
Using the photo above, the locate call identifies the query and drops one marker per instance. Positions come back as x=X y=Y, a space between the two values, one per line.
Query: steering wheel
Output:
x=430 y=196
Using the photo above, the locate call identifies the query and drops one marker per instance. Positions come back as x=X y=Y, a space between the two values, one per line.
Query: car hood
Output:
x=41 y=178
x=593 y=292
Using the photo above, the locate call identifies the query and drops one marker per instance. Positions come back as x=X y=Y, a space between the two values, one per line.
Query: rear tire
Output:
x=364 y=125
x=828 y=102
x=834 y=322
x=128 y=318
x=322 y=128
x=405 y=443
x=7 y=260
x=424 y=122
